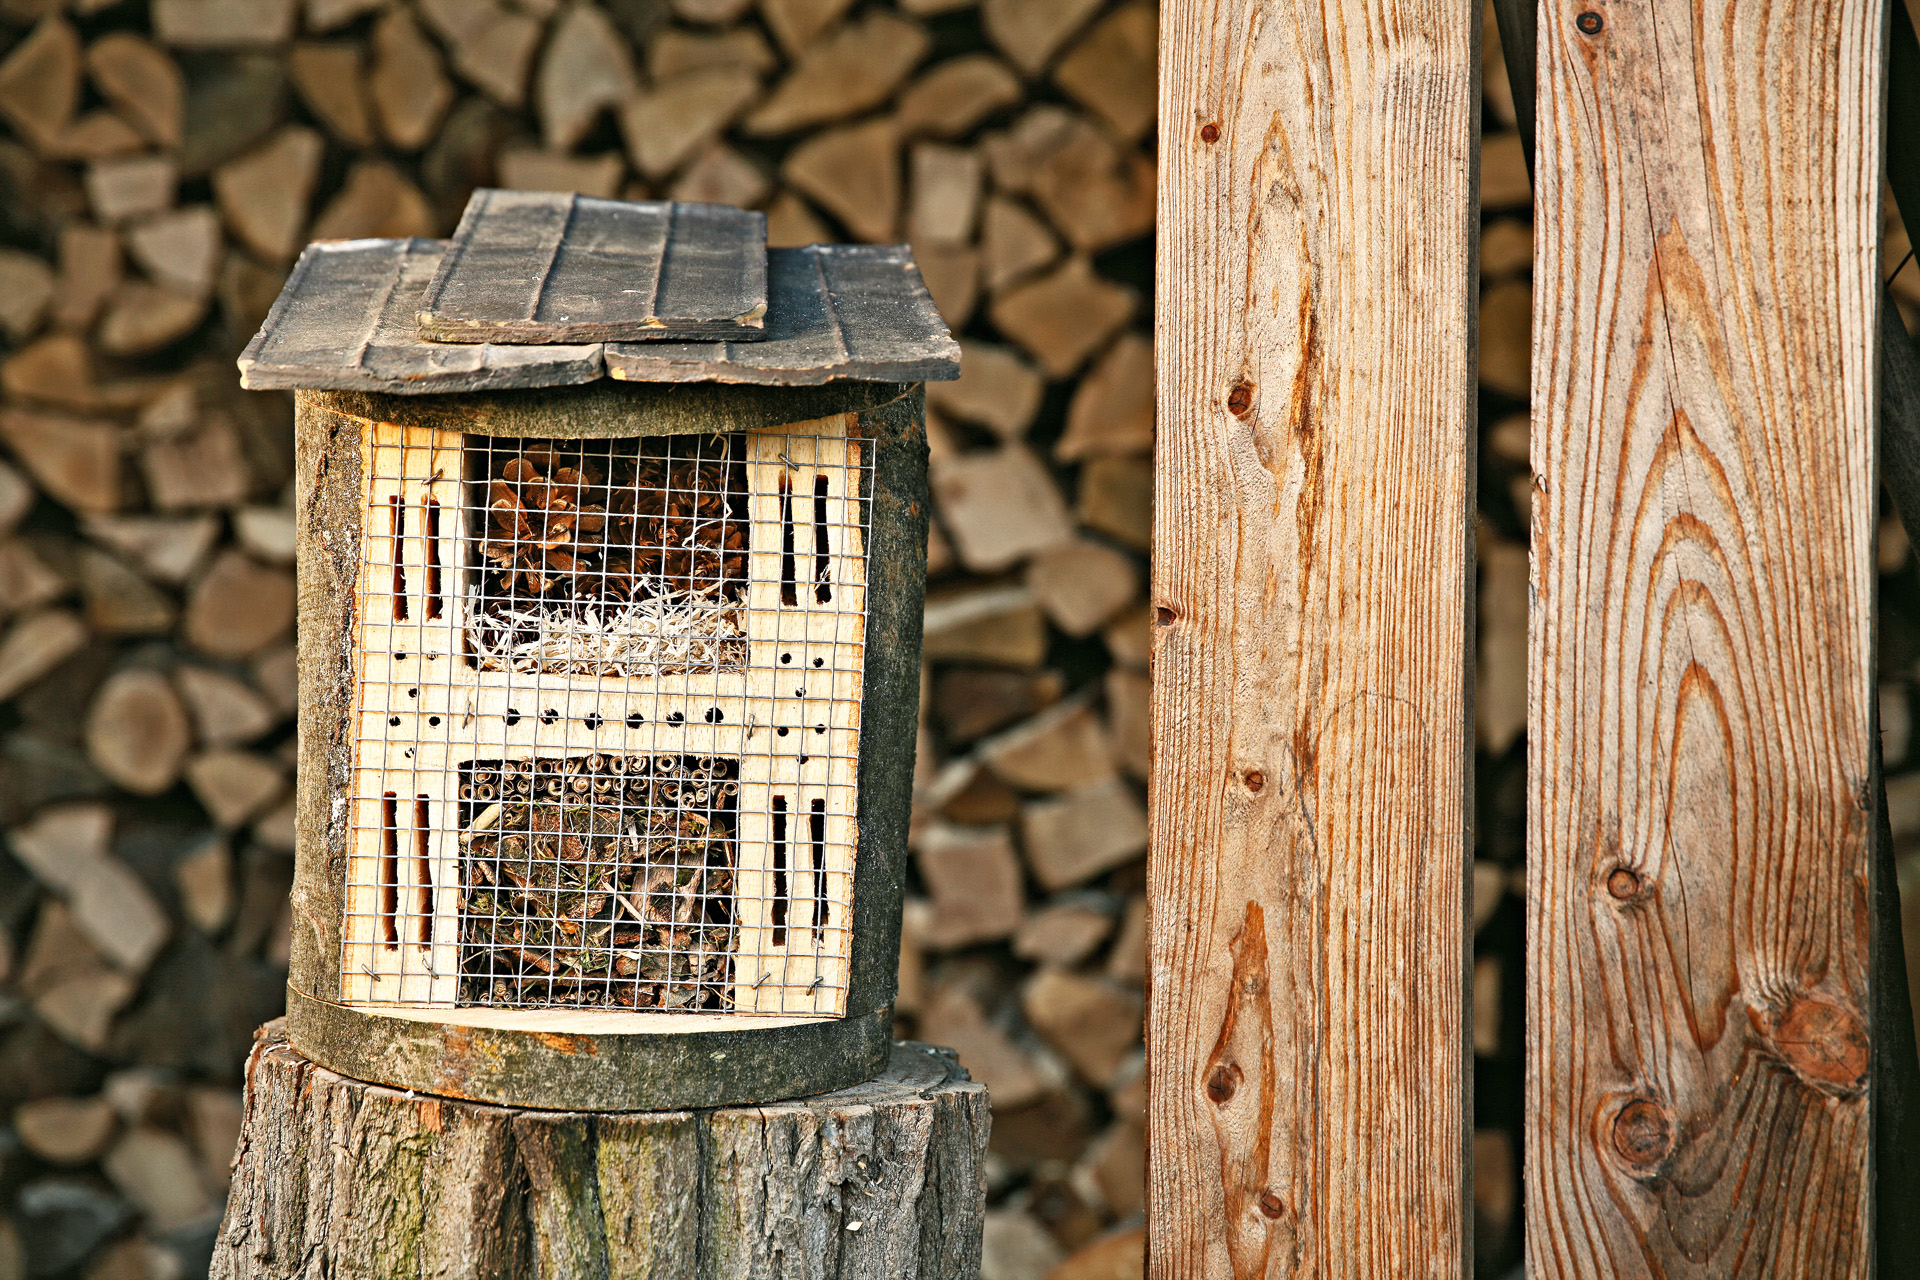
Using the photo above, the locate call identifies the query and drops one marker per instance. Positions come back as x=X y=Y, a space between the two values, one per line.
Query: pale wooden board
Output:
x=448 y=713
x=834 y=311
x=1700 y=808
x=1308 y=1098
x=547 y=267
x=345 y=322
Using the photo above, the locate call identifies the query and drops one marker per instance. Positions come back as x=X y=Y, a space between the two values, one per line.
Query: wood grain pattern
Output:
x=1311 y=585
x=1700 y=805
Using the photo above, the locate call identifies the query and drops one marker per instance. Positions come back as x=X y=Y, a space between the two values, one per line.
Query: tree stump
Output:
x=338 y=1178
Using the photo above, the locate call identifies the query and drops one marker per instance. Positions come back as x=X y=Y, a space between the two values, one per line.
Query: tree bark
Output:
x=338 y=1178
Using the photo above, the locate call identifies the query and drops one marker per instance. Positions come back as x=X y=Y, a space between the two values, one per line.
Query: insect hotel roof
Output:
x=637 y=514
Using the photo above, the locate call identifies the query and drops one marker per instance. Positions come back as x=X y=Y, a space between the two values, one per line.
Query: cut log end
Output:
x=881 y=1179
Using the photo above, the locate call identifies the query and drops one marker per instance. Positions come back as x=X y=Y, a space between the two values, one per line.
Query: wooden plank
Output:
x=544 y=267
x=834 y=311
x=1312 y=581
x=345 y=322
x=1700 y=807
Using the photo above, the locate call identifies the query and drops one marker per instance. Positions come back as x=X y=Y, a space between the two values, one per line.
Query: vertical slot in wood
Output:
x=817 y=831
x=822 y=564
x=788 y=593
x=389 y=869
x=779 y=913
x=434 y=603
x=423 y=870
x=397 y=510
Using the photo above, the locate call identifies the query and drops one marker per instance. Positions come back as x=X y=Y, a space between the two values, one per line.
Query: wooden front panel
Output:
x=1700 y=804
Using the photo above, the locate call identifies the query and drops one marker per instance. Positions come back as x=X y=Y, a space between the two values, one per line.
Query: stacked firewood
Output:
x=161 y=165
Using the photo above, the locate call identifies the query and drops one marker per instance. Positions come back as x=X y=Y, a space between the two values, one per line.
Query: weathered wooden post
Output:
x=608 y=695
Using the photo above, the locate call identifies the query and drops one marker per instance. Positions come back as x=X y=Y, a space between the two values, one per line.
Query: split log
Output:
x=338 y=1177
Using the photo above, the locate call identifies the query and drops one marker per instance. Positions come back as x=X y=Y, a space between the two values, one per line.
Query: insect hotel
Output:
x=612 y=529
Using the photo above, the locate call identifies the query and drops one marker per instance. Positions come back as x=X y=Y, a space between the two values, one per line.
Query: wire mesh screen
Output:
x=609 y=711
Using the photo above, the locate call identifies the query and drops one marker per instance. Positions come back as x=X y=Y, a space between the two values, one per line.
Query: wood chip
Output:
x=376 y=200
x=165 y=548
x=530 y=267
x=856 y=68
x=1500 y=687
x=1111 y=71
x=1030 y=31
x=721 y=175
x=70 y=985
x=493 y=44
x=1116 y=498
x=712 y=12
x=854 y=174
x=970 y=701
x=57 y=369
x=68 y=1131
x=792 y=223
x=997 y=389
x=179 y=248
x=143 y=82
x=266 y=533
x=999 y=507
x=1112 y=408
x=16 y=498
x=26 y=580
x=841 y=311
x=346 y=321
x=130 y=187
x=585 y=70
x=142 y=317
x=406 y=83
x=1064 y=316
x=238 y=606
x=325 y=15
x=40 y=82
x=1092 y=1023
x=264 y=195
x=974 y=877
x=233 y=102
x=331 y=79
x=209 y=24
x=674 y=52
x=946 y=184
x=35 y=645
x=1503 y=173
x=1506 y=248
x=954 y=96
x=234 y=786
x=1506 y=338
x=1129 y=708
x=1063 y=747
x=226 y=712
x=204 y=880
x=74 y=459
x=795 y=23
x=952 y=275
x=1072 y=837
x=954 y=1019
x=1097 y=193
x=531 y=169
x=1065 y=931
x=158 y=1172
x=119 y=602
x=1013 y=242
x=1081 y=584
x=26 y=287
x=200 y=467
x=89 y=270
x=97 y=135
x=682 y=114
x=1001 y=626
x=137 y=732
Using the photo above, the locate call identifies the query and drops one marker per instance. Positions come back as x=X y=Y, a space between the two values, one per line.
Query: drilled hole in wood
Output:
x=389 y=875
x=397 y=526
x=817 y=830
x=423 y=869
x=822 y=562
x=789 y=593
x=779 y=912
x=434 y=598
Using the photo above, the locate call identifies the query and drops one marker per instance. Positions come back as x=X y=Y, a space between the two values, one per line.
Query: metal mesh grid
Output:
x=609 y=710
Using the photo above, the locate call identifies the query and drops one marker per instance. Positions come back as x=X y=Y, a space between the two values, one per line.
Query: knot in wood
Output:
x=1642 y=1133
x=1209 y=132
x=1271 y=1205
x=1256 y=781
x=1240 y=398
x=1590 y=23
x=1623 y=883
x=1825 y=1044
x=1222 y=1083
